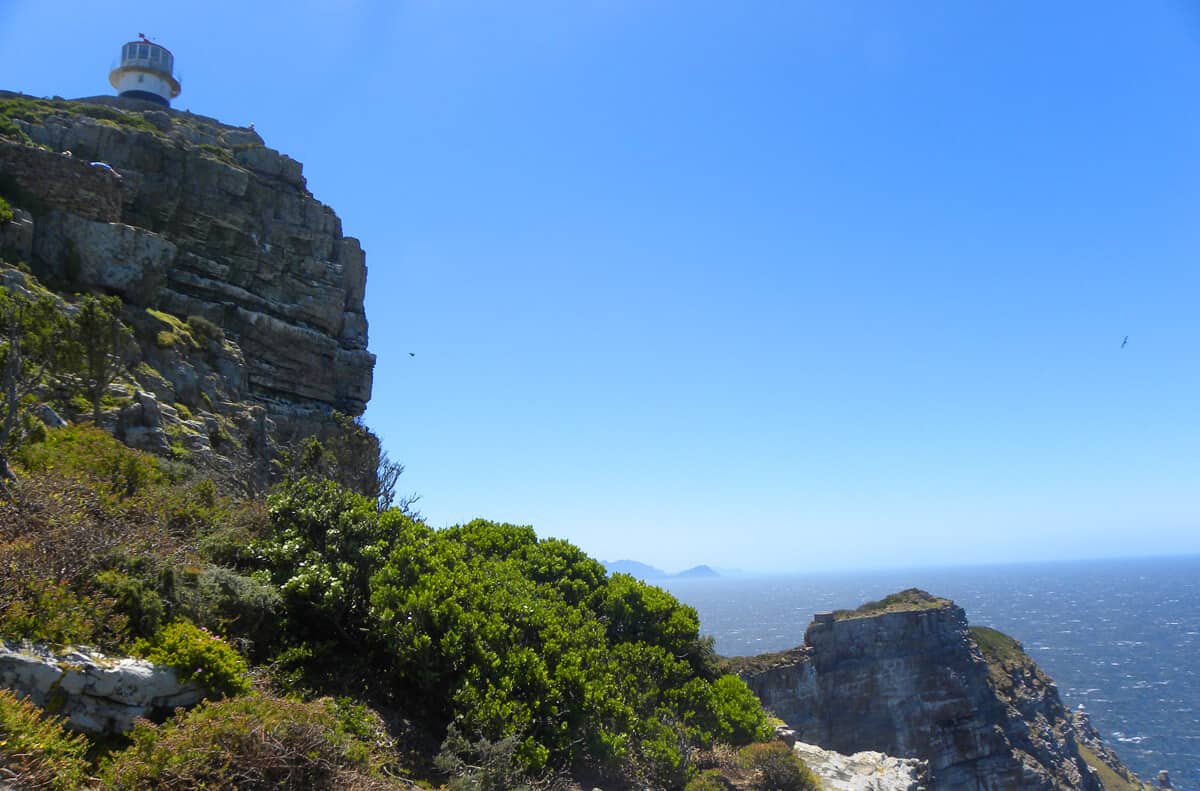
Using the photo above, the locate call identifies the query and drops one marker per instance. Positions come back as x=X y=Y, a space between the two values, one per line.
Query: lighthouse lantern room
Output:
x=146 y=72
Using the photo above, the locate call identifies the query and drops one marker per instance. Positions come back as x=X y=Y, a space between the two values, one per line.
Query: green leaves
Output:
x=97 y=346
x=512 y=640
x=37 y=750
x=197 y=655
x=30 y=330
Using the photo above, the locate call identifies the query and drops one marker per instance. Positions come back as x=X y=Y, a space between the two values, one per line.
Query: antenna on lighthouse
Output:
x=147 y=72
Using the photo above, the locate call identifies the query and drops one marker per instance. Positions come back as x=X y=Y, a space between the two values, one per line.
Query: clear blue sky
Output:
x=771 y=285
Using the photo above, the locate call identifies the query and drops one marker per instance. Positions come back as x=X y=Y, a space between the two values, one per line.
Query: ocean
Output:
x=1121 y=637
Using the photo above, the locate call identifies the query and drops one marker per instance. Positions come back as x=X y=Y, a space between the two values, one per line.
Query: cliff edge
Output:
x=906 y=676
x=246 y=296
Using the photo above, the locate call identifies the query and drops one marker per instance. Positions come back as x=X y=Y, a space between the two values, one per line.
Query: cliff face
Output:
x=916 y=683
x=194 y=220
x=213 y=224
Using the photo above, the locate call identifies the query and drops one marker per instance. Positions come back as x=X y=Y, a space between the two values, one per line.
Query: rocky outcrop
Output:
x=914 y=682
x=197 y=219
x=864 y=771
x=91 y=691
x=67 y=183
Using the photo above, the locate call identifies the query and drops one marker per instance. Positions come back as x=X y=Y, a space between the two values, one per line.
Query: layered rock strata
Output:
x=196 y=219
x=915 y=683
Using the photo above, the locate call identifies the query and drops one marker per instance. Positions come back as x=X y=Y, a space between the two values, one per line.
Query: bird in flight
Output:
x=412 y=354
x=1124 y=341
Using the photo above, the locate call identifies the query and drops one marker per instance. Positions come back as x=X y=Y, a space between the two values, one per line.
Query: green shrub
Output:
x=229 y=603
x=525 y=645
x=249 y=743
x=481 y=765
x=136 y=599
x=48 y=611
x=204 y=330
x=197 y=655
x=737 y=712
x=776 y=767
x=37 y=110
x=37 y=749
x=6 y=212
x=95 y=454
x=326 y=543
x=709 y=780
x=909 y=600
x=230 y=539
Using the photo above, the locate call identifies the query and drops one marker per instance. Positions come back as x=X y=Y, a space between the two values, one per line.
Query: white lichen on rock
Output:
x=94 y=692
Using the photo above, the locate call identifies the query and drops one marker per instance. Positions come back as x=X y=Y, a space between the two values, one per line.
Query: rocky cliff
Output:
x=908 y=678
x=196 y=225
x=245 y=295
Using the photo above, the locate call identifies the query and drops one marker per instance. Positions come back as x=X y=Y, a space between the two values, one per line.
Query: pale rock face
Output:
x=864 y=771
x=93 y=692
x=119 y=259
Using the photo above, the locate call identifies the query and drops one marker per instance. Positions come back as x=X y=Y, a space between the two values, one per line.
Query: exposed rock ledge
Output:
x=93 y=692
x=864 y=771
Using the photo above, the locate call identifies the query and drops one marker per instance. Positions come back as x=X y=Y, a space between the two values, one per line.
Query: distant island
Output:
x=647 y=572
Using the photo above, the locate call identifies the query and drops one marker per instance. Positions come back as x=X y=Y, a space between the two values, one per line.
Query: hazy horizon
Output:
x=774 y=286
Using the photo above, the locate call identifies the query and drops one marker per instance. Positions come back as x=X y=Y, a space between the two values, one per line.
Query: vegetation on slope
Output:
x=481 y=635
x=1112 y=778
x=910 y=600
x=999 y=648
x=27 y=108
x=511 y=658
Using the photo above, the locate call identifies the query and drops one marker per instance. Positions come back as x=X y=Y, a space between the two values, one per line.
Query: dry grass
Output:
x=56 y=531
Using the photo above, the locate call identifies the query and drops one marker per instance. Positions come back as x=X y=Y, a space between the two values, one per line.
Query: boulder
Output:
x=94 y=692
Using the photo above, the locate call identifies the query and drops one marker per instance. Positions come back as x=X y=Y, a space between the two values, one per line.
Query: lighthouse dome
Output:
x=146 y=71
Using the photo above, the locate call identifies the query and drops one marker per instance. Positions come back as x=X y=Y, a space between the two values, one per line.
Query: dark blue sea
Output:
x=1122 y=637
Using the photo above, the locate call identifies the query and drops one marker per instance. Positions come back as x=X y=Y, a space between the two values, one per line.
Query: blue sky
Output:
x=770 y=285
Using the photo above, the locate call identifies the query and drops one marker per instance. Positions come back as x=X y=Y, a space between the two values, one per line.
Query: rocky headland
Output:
x=909 y=678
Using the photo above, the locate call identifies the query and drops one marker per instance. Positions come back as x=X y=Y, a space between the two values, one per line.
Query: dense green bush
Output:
x=228 y=603
x=250 y=743
x=36 y=749
x=197 y=655
x=32 y=608
x=134 y=598
x=93 y=454
x=523 y=644
x=776 y=767
x=325 y=544
x=539 y=659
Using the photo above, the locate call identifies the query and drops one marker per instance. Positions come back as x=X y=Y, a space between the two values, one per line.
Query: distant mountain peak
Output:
x=645 y=571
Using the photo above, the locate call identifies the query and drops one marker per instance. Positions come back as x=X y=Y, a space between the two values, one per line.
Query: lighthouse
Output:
x=146 y=72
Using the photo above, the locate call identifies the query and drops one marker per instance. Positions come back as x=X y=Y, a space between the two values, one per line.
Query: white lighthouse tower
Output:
x=146 y=72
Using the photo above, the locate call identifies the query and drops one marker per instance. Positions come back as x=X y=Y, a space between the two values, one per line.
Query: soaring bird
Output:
x=1124 y=341
x=412 y=354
